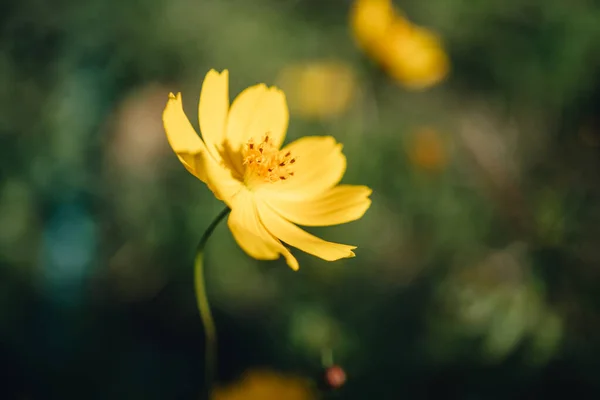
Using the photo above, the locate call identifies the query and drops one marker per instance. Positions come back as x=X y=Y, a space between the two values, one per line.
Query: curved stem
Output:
x=210 y=333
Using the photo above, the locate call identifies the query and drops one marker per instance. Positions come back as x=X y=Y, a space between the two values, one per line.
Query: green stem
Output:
x=327 y=357
x=210 y=333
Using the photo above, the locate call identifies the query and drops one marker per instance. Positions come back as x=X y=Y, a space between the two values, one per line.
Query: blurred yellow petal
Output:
x=416 y=58
x=412 y=55
x=251 y=235
x=256 y=112
x=213 y=108
x=294 y=236
x=339 y=205
x=266 y=385
x=319 y=165
x=182 y=136
x=370 y=19
x=318 y=89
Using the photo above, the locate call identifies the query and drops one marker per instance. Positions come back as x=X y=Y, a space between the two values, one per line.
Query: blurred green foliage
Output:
x=477 y=279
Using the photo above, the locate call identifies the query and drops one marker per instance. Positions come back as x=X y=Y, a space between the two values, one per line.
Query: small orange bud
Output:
x=428 y=150
x=335 y=377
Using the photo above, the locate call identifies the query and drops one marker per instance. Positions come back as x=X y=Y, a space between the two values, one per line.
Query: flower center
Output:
x=266 y=163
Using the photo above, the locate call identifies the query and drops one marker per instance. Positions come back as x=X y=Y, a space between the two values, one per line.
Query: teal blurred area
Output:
x=478 y=263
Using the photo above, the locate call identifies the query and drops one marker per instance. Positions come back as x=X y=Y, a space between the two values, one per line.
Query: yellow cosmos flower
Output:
x=269 y=189
x=266 y=385
x=412 y=55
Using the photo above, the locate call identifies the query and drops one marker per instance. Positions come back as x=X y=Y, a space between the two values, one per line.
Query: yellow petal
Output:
x=319 y=166
x=248 y=231
x=181 y=135
x=294 y=236
x=212 y=110
x=339 y=205
x=190 y=163
x=257 y=111
x=251 y=235
x=221 y=180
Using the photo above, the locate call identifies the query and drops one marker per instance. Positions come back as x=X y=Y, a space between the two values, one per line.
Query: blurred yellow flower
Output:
x=318 y=89
x=412 y=55
x=370 y=20
x=266 y=385
x=427 y=150
x=268 y=189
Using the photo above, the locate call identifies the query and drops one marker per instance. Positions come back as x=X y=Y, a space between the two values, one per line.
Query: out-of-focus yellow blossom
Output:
x=412 y=55
x=427 y=150
x=266 y=385
x=269 y=189
x=370 y=20
x=318 y=89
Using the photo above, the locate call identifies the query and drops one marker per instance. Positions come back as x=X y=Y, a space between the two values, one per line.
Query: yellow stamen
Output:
x=266 y=163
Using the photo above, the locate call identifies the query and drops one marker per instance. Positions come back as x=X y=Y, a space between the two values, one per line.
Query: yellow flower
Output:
x=412 y=55
x=268 y=189
x=370 y=20
x=266 y=385
x=318 y=89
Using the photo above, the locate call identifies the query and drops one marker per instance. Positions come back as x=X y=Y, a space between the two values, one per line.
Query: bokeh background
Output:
x=478 y=265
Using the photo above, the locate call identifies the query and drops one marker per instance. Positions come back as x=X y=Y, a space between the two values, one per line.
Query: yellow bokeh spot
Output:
x=318 y=89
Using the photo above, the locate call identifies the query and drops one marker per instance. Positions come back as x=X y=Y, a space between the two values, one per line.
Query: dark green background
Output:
x=476 y=282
